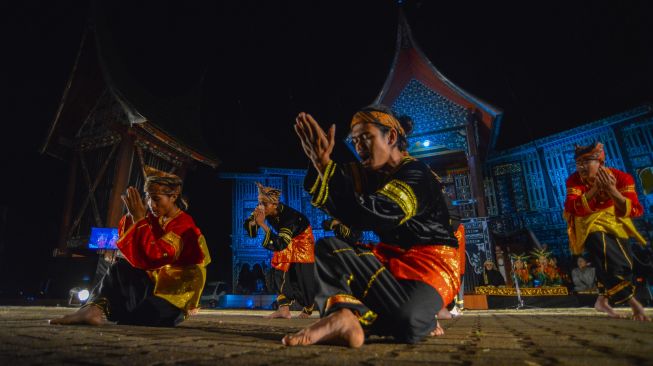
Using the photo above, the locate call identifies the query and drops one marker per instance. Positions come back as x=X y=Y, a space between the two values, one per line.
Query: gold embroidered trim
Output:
x=627 y=298
x=351 y=278
x=175 y=241
x=286 y=235
x=628 y=188
x=368 y=318
x=342 y=250
x=624 y=253
x=341 y=298
x=323 y=193
x=586 y=205
x=315 y=185
x=629 y=207
x=372 y=279
x=403 y=195
x=622 y=285
x=266 y=239
x=574 y=191
x=365 y=253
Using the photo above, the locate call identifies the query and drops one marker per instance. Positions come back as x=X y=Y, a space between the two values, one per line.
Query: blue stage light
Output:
x=427 y=143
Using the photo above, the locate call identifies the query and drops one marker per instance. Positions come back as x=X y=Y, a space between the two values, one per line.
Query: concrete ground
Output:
x=213 y=337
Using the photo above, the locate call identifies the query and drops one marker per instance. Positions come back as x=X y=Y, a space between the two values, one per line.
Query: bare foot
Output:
x=303 y=315
x=282 y=312
x=339 y=328
x=91 y=315
x=638 y=310
x=603 y=306
x=444 y=314
x=438 y=331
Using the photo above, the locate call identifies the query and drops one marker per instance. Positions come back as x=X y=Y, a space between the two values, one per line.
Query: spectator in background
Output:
x=584 y=276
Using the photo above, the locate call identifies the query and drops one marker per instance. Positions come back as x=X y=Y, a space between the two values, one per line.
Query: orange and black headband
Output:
x=378 y=118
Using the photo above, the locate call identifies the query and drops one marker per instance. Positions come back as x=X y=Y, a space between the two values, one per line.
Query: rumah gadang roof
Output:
x=100 y=68
x=416 y=88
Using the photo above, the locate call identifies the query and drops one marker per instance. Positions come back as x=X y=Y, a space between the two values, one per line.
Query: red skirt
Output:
x=436 y=265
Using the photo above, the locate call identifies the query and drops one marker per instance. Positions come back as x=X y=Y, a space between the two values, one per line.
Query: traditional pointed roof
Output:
x=94 y=76
x=416 y=88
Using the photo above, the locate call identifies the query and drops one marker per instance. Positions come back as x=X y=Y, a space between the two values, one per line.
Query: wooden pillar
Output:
x=473 y=159
x=120 y=180
x=67 y=215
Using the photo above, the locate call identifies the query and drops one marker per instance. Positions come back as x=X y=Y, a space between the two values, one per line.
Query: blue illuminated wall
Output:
x=246 y=250
x=525 y=185
x=436 y=119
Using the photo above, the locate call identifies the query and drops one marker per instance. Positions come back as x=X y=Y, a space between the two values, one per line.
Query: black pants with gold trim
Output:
x=613 y=259
x=351 y=277
x=126 y=296
x=297 y=284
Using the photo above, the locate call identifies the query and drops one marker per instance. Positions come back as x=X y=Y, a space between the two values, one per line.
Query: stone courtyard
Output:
x=226 y=337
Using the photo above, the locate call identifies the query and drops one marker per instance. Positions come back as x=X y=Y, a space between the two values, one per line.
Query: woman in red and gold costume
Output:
x=160 y=271
x=598 y=209
x=396 y=287
x=290 y=236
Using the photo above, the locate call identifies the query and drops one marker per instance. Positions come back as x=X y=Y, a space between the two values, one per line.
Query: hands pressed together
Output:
x=134 y=203
x=259 y=215
x=317 y=144
x=606 y=181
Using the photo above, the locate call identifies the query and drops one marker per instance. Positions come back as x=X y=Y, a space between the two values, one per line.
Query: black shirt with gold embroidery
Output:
x=342 y=231
x=405 y=207
x=288 y=224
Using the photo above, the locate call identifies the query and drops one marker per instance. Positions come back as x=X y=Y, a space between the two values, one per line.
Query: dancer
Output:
x=600 y=202
x=292 y=241
x=161 y=270
x=393 y=288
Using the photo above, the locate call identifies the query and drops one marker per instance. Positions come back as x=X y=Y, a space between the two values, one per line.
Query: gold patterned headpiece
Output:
x=520 y=257
x=160 y=182
x=378 y=118
x=591 y=152
x=540 y=253
x=268 y=194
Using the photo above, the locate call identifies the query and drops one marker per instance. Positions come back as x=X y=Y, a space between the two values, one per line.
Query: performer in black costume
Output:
x=290 y=236
x=396 y=287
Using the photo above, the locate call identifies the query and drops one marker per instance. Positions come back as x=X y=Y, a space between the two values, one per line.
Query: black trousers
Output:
x=126 y=295
x=297 y=284
x=351 y=277
x=613 y=259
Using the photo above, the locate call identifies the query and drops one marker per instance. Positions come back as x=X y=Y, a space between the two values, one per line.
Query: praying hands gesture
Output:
x=606 y=182
x=259 y=215
x=317 y=144
x=134 y=203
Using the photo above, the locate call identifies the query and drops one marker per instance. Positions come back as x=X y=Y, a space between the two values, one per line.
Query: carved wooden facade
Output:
x=107 y=148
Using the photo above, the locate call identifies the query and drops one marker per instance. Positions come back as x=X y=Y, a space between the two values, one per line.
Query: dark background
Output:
x=549 y=66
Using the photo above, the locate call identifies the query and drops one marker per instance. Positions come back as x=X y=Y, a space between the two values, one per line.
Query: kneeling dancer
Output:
x=160 y=272
x=396 y=287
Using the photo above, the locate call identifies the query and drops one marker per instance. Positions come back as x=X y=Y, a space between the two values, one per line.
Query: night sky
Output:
x=548 y=66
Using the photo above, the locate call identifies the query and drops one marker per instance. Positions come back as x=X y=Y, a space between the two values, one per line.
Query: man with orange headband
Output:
x=598 y=209
x=290 y=237
x=395 y=287
x=160 y=273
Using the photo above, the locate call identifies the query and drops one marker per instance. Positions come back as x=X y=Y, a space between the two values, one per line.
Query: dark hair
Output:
x=405 y=121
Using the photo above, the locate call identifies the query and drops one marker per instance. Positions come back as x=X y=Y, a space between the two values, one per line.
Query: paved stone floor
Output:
x=519 y=337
